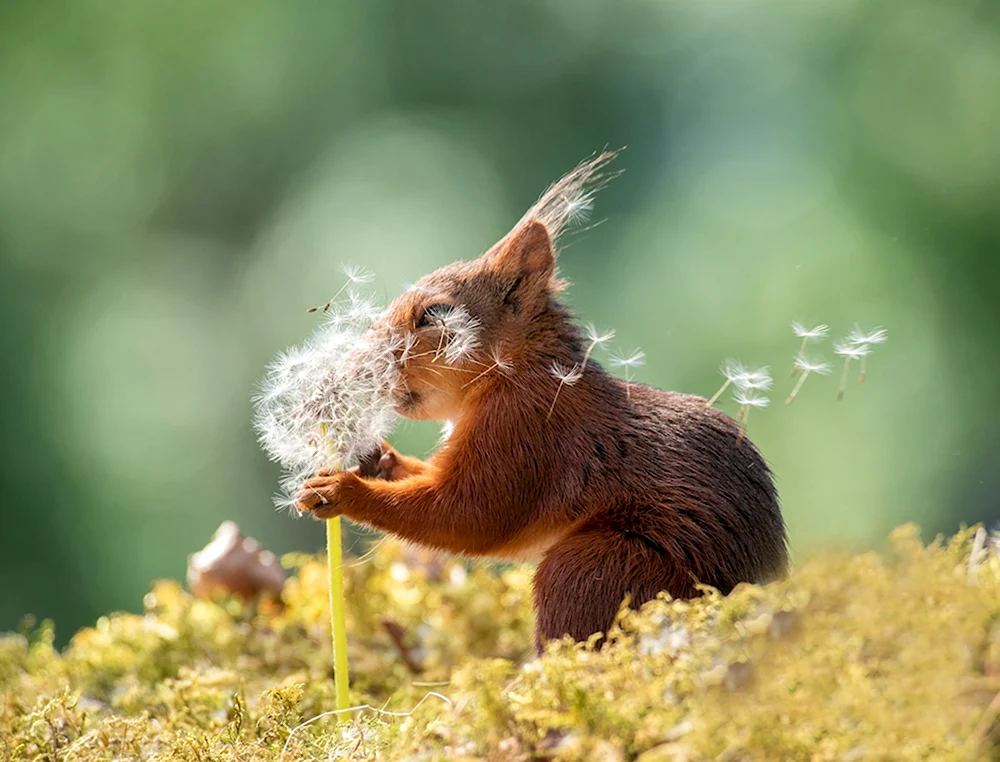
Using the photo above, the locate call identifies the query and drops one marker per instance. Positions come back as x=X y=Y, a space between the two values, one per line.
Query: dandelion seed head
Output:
x=568 y=376
x=330 y=400
x=810 y=365
x=810 y=334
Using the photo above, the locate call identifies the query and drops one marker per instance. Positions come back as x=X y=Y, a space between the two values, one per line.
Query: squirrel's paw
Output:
x=383 y=463
x=321 y=495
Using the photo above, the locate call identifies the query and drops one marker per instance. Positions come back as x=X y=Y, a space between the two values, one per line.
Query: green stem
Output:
x=338 y=618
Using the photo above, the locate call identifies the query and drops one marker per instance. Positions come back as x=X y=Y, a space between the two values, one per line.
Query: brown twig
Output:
x=397 y=635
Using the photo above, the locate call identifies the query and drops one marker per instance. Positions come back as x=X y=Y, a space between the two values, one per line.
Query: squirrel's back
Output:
x=666 y=468
x=712 y=484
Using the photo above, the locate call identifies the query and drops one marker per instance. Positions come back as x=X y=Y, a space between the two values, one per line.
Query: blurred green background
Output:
x=180 y=181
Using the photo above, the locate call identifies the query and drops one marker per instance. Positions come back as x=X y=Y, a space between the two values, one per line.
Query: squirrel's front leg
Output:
x=383 y=463
x=418 y=508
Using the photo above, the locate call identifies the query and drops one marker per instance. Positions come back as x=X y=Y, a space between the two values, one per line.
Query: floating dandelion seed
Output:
x=874 y=336
x=807 y=335
x=635 y=360
x=807 y=366
x=568 y=376
x=596 y=339
x=496 y=355
x=356 y=276
x=578 y=209
x=574 y=374
x=743 y=378
x=732 y=370
x=859 y=338
x=759 y=379
x=746 y=399
x=849 y=352
x=459 y=332
x=464 y=333
x=810 y=334
x=571 y=199
x=499 y=363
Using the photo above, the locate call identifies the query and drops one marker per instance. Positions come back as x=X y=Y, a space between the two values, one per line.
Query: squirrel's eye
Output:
x=434 y=314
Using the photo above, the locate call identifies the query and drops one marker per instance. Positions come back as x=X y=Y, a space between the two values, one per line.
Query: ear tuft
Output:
x=527 y=251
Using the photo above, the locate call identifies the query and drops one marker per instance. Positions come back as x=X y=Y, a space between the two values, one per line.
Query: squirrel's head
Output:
x=469 y=321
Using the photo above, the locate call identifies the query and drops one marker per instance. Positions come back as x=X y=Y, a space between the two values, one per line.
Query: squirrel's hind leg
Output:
x=584 y=578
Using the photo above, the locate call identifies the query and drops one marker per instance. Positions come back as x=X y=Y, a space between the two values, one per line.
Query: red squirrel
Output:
x=618 y=489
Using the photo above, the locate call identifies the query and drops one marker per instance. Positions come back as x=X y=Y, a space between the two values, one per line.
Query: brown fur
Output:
x=623 y=489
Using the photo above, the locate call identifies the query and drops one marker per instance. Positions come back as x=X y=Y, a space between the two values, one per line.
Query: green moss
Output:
x=876 y=656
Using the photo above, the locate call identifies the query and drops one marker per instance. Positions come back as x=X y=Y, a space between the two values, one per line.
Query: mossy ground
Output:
x=870 y=657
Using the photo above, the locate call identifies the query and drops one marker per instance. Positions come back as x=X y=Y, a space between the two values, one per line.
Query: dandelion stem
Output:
x=327 y=306
x=802 y=349
x=743 y=417
x=719 y=393
x=338 y=617
x=553 y=405
x=594 y=341
x=798 y=385
x=843 y=378
x=861 y=375
x=491 y=367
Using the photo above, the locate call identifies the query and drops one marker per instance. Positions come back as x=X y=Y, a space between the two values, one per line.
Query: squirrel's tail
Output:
x=569 y=201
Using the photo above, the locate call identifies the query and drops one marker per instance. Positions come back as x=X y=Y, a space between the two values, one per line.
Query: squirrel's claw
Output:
x=318 y=496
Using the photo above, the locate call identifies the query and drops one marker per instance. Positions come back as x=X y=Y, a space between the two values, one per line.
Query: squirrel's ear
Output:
x=527 y=252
